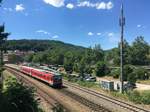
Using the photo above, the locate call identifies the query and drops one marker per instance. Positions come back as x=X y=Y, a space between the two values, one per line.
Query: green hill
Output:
x=41 y=45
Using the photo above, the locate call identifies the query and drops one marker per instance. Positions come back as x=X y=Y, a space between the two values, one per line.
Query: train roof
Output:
x=45 y=71
x=49 y=70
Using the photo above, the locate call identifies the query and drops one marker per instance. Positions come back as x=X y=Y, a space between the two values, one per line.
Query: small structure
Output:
x=107 y=85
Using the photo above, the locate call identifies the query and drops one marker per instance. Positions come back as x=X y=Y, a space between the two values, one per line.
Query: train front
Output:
x=57 y=80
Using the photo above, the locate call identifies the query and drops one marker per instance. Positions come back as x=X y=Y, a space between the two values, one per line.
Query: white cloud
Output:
x=98 y=34
x=139 y=26
x=98 y=5
x=113 y=37
x=55 y=36
x=44 y=32
x=55 y=3
x=110 y=34
x=85 y=4
x=90 y=34
x=109 y=5
x=101 y=5
x=8 y=9
x=19 y=7
x=70 y=6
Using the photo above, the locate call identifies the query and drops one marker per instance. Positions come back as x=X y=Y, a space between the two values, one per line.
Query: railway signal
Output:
x=3 y=37
x=122 y=24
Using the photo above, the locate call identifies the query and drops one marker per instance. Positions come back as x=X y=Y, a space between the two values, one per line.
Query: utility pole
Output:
x=3 y=37
x=122 y=24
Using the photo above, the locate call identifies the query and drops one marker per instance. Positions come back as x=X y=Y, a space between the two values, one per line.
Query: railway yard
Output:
x=74 y=98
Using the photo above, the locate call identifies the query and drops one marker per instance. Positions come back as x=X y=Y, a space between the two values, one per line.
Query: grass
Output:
x=7 y=75
x=144 y=82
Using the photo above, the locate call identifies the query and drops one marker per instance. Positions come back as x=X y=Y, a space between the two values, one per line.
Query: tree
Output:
x=13 y=58
x=139 y=51
x=132 y=78
x=29 y=58
x=18 y=97
x=1 y=1
x=101 y=69
x=127 y=69
x=141 y=73
x=115 y=72
x=68 y=61
x=3 y=37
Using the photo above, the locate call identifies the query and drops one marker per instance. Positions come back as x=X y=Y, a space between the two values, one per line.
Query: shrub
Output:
x=18 y=97
x=131 y=78
x=134 y=96
x=139 y=97
x=141 y=73
x=101 y=69
x=115 y=73
x=145 y=97
x=127 y=70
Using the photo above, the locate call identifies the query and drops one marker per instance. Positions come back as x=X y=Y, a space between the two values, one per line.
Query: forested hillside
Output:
x=40 y=45
x=83 y=60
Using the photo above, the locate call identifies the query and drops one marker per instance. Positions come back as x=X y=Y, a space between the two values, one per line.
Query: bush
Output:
x=131 y=78
x=128 y=69
x=18 y=97
x=115 y=73
x=134 y=96
x=141 y=73
x=101 y=69
x=145 y=99
x=139 y=97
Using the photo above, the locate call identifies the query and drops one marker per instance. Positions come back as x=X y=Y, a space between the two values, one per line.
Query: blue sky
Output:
x=79 y=22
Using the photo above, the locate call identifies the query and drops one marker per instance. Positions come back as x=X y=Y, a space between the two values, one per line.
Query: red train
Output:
x=50 y=77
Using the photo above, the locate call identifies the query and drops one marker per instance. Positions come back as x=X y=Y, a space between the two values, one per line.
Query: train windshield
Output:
x=57 y=77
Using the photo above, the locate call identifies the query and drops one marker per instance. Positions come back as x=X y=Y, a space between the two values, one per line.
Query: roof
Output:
x=44 y=70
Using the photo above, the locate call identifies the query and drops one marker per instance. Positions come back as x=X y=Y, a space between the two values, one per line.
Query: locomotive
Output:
x=54 y=79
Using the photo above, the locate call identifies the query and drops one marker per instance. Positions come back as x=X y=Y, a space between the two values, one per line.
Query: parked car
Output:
x=91 y=79
x=129 y=86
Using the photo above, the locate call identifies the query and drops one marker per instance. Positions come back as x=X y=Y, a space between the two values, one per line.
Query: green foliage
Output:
x=145 y=97
x=141 y=73
x=131 y=78
x=28 y=58
x=13 y=58
x=101 y=69
x=128 y=69
x=18 y=97
x=41 y=45
x=134 y=96
x=68 y=61
x=87 y=84
x=58 y=108
x=139 y=51
x=139 y=97
x=115 y=73
x=135 y=54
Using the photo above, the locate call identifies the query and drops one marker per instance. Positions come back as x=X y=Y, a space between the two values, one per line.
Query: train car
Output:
x=52 y=78
x=26 y=70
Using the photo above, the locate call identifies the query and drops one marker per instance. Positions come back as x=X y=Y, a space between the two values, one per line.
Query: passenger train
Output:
x=53 y=78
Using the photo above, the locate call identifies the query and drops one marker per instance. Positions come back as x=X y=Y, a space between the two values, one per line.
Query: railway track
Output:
x=127 y=106
x=95 y=106
x=40 y=92
x=89 y=104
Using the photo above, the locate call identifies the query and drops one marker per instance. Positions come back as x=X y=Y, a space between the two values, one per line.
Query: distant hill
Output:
x=41 y=45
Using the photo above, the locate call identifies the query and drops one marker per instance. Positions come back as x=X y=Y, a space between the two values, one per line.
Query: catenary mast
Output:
x=122 y=24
